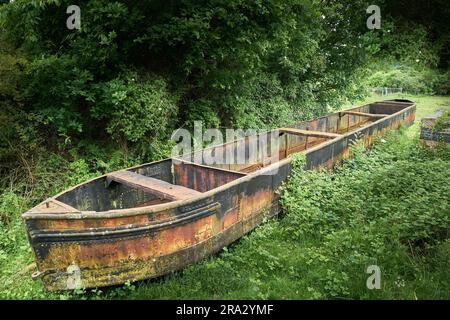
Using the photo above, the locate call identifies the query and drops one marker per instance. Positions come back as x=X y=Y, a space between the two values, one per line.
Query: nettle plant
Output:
x=135 y=107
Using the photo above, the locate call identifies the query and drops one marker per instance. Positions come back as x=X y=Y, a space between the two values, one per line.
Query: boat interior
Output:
x=178 y=179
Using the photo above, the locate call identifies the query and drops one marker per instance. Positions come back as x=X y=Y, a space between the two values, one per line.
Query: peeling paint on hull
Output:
x=94 y=236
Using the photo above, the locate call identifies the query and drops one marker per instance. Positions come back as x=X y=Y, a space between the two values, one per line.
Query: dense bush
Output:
x=135 y=108
x=228 y=63
x=217 y=61
x=405 y=56
x=412 y=79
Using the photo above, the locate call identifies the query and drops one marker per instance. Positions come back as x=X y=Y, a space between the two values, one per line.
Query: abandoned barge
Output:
x=155 y=218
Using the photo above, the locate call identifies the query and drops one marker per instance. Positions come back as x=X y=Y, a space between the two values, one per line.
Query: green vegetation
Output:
x=75 y=104
x=407 y=60
x=443 y=122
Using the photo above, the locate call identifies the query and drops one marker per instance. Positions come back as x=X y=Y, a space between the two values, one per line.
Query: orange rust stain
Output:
x=328 y=164
x=205 y=232
x=93 y=255
x=370 y=139
x=345 y=153
x=186 y=235
x=411 y=117
x=230 y=218
x=250 y=205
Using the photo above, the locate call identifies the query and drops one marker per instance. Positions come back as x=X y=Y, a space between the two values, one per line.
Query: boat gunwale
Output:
x=151 y=209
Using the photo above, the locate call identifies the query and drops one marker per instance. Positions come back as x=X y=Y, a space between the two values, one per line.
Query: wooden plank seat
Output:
x=310 y=133
x=162 y=189
x=363 y=114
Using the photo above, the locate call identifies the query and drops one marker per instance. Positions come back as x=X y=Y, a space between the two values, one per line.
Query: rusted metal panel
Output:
x=429 y=136
x=202 y=178
x=436 y=136
x=94 y=235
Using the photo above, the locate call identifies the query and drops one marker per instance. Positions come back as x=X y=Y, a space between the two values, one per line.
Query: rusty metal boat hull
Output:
x=428 y=135
x=107 y=231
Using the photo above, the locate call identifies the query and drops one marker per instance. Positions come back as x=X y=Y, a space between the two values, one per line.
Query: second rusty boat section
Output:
x=434 y=129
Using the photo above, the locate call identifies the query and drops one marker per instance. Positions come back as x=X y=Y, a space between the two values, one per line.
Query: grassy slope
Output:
x=279 y=261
